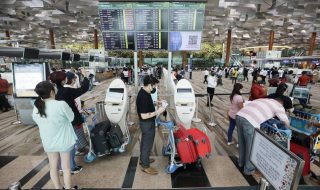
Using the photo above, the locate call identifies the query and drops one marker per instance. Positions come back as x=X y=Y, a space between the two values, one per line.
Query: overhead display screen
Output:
x=152 y=40
x=185 y=41
x=116 y=19
x=118 y=40
x=148 y=24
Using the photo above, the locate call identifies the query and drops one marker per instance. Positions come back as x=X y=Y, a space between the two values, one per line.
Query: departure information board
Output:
x=118 y=40
x=152 y=40
x=144 y=25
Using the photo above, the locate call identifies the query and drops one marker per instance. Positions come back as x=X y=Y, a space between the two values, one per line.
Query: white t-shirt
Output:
x=280 y=72
x=125 y=73
x=206 y=73
x=212 y=81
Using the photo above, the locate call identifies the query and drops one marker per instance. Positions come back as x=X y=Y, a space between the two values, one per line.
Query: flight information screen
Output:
x=148 y=25
x=152 y=40
x=118 y=40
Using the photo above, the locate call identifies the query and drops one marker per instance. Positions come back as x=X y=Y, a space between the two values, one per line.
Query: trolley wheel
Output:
x=198 y=164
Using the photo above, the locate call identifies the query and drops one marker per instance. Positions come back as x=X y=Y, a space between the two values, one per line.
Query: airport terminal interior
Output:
x=188 y=94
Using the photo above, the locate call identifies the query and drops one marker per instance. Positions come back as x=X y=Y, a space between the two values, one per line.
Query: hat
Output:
x=70 y=75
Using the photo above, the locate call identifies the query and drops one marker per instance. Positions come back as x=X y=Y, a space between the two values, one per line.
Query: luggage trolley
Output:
x=170 y=148
x=273 y=128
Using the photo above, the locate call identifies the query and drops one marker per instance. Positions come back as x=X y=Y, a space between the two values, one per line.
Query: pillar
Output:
x=140 y=54
x=96 y=45
x=184 y=59
x=8 y=36
x=271 y=37
x=228 y=49
x=51 y=37
x=312 y=43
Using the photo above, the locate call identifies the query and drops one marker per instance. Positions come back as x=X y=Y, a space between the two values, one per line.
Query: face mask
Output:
x=153 y=90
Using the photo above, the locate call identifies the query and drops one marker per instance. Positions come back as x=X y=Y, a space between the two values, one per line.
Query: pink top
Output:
x=260 y=110
x=234 y=107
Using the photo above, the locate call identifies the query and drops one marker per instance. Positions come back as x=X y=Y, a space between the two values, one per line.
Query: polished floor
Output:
x=22 y=157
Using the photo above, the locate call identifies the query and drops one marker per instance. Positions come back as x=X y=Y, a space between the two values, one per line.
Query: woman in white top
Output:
x=212 y=83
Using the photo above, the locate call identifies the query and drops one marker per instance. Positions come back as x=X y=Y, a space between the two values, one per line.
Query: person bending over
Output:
x=249 y=118
x=147 y=114
x=58 y=138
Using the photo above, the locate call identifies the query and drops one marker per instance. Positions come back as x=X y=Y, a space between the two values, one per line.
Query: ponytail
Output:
x=40 y=105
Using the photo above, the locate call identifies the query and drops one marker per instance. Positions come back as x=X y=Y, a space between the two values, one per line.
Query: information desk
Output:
x=279 y=166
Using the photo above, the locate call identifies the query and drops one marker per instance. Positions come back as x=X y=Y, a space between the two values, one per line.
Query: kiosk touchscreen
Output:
x=26 y=77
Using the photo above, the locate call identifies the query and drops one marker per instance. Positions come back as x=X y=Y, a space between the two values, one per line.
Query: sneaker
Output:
x=230 y=143
x=150 y=171
x=151 y=160
x=76 y=170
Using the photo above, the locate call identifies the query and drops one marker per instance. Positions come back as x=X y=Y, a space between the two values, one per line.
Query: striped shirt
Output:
x=260 y=110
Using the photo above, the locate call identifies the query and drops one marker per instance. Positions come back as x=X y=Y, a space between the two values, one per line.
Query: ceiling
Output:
x=251 y=21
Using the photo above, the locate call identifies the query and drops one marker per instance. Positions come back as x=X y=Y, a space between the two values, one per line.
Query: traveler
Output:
x=287 y=103
x=56 y=132
x=234 y=75
x=245 y=73
x=236 y=104
x=304 y=79
x=212 y=83
x=249 y=118
x=257 y=90
x=69 y=95
x=206 y=73
x=147 y=114
x=4 y=86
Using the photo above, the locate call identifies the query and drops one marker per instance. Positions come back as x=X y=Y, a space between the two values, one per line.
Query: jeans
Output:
x=4 y=104
x=245 y=137
x=148 y=131
x=232 y=125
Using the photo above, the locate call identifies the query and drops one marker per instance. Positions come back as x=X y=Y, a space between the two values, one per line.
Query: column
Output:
x=140 y=54
x=271 y=36
x=51 y=37
x=8 y=36
x=312 y=43
x=96 y=45
x=228 y=49
x=184 y=59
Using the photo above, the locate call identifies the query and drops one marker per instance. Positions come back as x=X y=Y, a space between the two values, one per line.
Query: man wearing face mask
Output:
x=257 y=90
x=147 y=114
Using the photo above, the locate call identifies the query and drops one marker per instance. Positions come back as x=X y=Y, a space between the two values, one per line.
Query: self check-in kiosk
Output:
x=184 y=101
x=116 y=107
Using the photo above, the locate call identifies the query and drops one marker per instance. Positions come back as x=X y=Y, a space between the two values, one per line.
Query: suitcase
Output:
x=303 y=153
x=202 y=142
x=185 y=147
x=98 y=138
x=115 y=136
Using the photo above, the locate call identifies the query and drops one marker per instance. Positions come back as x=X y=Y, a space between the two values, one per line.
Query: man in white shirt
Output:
x=212 y=83
x=206 y=73
x=280 y=71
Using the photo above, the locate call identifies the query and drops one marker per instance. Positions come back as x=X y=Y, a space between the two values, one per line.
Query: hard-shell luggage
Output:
x=202 y=142
x=98 y=138
x=115 y=136
x=185 y=147
x=303 y=153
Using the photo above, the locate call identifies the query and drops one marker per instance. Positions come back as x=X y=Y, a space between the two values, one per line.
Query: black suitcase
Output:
x=99 y=140
x=115 y=136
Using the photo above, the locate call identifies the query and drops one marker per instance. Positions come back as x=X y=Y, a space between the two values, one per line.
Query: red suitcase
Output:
x=303 y=153
x=202 y=142
x=185 y=146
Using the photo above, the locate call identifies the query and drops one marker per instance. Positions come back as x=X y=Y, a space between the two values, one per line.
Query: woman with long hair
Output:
x=236 y=104
x=57 y=135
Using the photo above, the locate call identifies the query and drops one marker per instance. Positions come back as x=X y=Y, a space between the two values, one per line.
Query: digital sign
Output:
x=148 y=25
x=152 y=40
